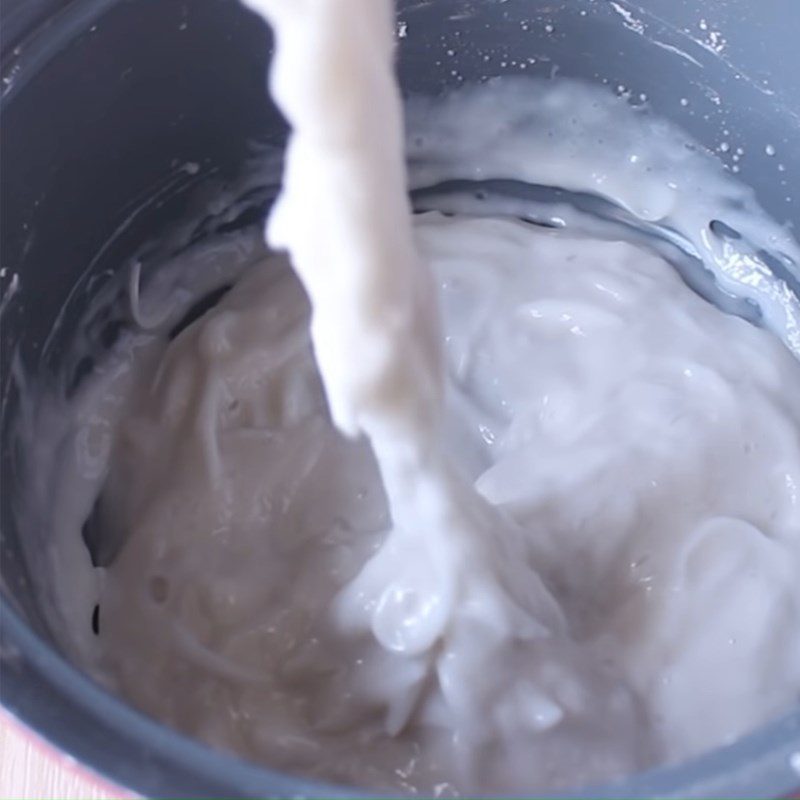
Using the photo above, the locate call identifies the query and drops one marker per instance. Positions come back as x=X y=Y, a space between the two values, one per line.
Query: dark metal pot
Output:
x=102 y=98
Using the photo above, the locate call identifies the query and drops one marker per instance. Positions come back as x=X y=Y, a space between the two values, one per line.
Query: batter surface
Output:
x=642 y=443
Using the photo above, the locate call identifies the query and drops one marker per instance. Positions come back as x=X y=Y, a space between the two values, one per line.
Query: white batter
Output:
x=577 y=553
x=644 y=442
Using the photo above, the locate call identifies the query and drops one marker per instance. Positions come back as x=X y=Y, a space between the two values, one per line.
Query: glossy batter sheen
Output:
x=567 y=546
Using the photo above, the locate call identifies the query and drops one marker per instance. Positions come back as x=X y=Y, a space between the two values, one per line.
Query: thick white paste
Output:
x=644 y=442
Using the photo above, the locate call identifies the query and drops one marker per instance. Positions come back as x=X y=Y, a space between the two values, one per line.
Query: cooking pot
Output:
x=120 y=118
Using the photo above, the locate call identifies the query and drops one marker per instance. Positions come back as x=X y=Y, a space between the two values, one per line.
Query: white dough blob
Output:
x=568 y=546
x=449 y=591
